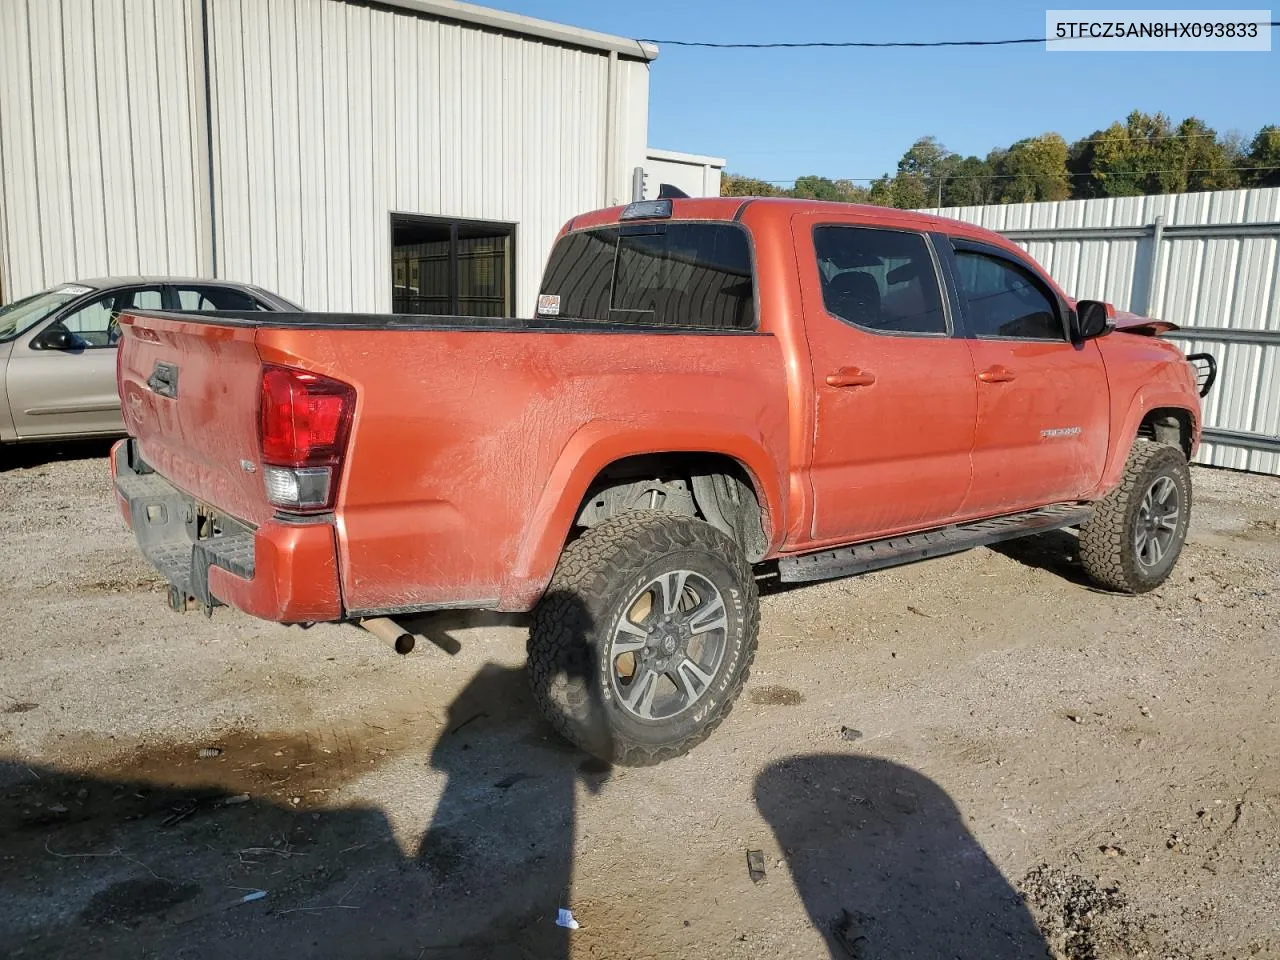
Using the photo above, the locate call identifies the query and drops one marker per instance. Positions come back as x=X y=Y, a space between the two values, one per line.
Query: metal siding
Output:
x=48 y=90
x=99 y=128
x=693 y=176
x=331 y=116
x=24 y=263
x=1227 y=282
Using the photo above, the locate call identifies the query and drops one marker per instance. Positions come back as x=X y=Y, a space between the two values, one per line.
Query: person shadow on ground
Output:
x=135 y=866
x=885 y=866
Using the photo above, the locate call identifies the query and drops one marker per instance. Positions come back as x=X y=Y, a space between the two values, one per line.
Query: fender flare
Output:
x=595 y=446
x=1151 y=396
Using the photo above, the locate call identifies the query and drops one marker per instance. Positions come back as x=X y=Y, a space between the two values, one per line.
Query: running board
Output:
x=908 y=548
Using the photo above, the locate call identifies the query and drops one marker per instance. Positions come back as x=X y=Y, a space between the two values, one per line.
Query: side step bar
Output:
x=908 y=548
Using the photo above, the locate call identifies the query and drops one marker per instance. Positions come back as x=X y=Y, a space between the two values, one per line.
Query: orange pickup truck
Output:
x=708 y=385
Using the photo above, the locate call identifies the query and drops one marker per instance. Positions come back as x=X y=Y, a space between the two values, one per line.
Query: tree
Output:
x=1264 y=153
x=1034 y=169
x=971 y=182
x=1205 y=162
x=735 y=185
x=1145 y=154
x=820 y=188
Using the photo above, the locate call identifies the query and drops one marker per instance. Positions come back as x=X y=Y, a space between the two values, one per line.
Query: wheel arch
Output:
x=1164 y=416
x=600 y=450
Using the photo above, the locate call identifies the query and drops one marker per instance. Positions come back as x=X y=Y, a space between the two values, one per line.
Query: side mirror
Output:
x=57 y=337
x=1092 y=320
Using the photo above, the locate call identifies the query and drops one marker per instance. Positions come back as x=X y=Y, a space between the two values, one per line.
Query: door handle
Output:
x=997 y=374
x=851 y=377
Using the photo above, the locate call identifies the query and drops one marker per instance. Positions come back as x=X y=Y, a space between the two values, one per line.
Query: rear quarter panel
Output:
x=471 y=451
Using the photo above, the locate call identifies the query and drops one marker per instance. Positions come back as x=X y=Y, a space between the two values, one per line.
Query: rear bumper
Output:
x=281 y=571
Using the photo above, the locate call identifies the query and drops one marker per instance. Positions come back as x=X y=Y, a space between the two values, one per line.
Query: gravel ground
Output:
x=980 y=755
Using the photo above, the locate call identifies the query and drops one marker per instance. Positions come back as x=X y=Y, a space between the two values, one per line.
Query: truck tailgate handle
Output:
x=164 y=379
x=997 y=374
x=851 y=377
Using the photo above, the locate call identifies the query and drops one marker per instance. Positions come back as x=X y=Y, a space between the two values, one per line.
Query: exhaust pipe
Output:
x=388 y=631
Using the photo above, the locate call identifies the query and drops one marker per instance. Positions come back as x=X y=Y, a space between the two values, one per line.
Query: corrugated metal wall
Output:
x=695 y=175
x=101 y=151
x=329 y=116
x=1203 y=260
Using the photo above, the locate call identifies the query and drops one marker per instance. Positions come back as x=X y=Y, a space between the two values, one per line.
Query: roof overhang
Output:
x=674 y=156
x=514 y=23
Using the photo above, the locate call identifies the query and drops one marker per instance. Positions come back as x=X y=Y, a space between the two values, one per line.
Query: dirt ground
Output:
x=978 y=756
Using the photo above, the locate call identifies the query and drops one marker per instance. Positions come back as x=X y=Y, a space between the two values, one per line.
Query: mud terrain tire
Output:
x=683 y=651
x=1153 y=499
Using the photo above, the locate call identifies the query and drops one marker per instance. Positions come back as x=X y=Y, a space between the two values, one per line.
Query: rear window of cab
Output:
x=689 y=275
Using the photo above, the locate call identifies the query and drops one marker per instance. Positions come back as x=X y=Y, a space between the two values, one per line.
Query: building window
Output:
x=452 y=267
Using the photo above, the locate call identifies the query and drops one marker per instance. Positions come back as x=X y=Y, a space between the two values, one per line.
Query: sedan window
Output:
x=23 y=314
x=205 y=298
x=97 y=322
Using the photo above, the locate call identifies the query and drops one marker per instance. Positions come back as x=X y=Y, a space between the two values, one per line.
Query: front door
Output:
x=72 y=392
x=894 y=390
x=1043 y=401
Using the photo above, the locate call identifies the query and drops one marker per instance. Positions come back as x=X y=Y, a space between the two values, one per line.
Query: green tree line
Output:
x=1146 y=154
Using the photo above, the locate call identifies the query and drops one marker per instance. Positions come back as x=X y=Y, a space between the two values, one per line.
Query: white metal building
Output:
x=1209 y=262
x=415 y=154
x=696 y=175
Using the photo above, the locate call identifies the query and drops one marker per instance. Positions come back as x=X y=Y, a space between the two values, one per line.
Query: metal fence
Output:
x=1209 y=262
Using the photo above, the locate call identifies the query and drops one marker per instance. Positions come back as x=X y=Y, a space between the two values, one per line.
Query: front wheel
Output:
x=1136 y=533
x=645 y=637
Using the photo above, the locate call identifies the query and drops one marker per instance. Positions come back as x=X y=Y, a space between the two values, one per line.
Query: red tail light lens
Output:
x=306 y=418
x=305 y=423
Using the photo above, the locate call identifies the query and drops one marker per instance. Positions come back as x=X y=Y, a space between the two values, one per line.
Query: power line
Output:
x=843 y=44
x=865 y=44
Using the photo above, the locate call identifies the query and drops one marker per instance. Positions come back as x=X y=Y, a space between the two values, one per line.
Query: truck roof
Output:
x=783 y=208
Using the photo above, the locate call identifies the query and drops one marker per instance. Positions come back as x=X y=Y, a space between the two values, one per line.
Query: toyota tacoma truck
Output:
x=709 y=388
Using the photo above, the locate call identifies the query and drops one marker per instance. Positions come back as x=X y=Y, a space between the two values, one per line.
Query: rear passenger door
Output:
x=894 y=390
x=1043 y=401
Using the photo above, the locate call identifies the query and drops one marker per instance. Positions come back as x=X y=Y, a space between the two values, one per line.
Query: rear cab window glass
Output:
x=880 y=280
x=669 y=274
x=1005 y=300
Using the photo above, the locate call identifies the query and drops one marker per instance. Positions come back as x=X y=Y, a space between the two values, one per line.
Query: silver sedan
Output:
x=57 y=348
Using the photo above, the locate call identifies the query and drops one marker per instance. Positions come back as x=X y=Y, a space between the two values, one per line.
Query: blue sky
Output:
x=778 y=114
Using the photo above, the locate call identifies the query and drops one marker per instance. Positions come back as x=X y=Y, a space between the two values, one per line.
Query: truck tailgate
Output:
x=190 y=395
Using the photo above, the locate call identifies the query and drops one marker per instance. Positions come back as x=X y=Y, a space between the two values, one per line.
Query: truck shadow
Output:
x=1055 y=551
x=129 y=867
x=885 y=865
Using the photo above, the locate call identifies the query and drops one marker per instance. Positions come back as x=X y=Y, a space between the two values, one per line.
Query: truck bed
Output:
x=473 y=441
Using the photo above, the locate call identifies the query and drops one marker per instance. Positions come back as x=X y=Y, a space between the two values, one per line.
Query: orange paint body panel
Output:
x=295 y=576
x=471 y=450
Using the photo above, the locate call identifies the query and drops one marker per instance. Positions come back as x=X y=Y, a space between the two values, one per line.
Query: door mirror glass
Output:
x=58 y=337
x=1092 y=320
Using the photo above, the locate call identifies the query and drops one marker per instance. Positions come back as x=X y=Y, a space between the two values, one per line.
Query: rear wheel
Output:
x=645 y=637
x=1136 y=533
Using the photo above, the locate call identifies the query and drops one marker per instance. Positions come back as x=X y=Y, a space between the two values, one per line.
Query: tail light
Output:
x=305 y=424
